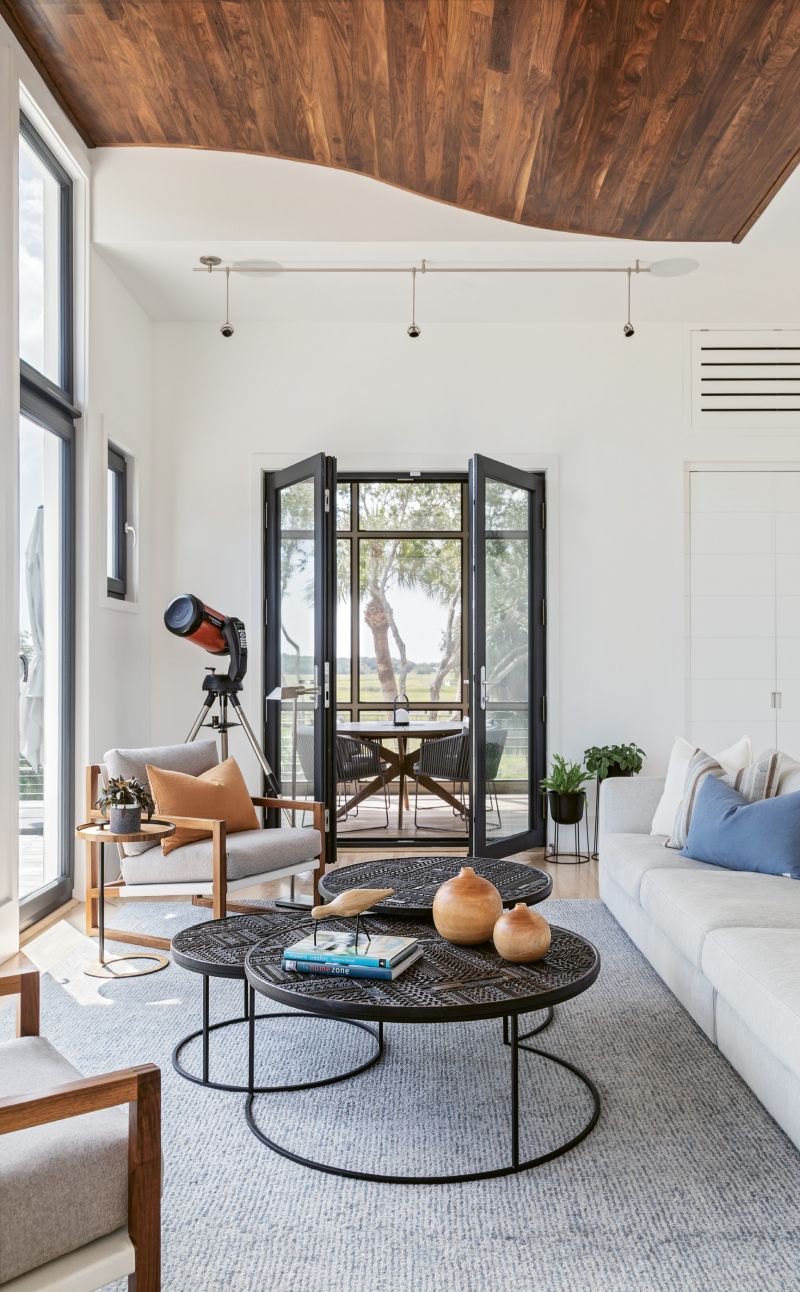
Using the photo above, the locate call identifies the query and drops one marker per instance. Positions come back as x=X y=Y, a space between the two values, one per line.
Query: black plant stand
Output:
x=576 y=858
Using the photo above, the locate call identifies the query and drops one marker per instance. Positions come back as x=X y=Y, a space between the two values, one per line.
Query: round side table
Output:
x=94 y=833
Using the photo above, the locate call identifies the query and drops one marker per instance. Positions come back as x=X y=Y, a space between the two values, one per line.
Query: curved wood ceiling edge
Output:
x=667 y=120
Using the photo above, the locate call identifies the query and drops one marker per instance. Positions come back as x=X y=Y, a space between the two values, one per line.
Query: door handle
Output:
x=326 y=691
x=484 y=687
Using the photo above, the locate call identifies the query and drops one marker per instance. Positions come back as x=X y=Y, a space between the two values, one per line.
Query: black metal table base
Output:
x=251 y=1018
x=516 y=1042
x=576 y=858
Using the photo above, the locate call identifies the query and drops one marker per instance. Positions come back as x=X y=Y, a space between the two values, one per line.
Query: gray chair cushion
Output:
x=250 y=852
x=61 y=1185
x=194 y=759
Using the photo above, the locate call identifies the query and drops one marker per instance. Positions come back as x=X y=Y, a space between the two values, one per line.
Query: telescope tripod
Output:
x=222 y=691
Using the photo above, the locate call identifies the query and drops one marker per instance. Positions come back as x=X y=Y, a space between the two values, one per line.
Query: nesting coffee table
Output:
x=416 y=879
x=217 y=949
x=447 y=984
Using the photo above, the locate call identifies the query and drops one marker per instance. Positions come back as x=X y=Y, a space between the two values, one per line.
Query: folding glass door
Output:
x=507 y=657
x=300 y=601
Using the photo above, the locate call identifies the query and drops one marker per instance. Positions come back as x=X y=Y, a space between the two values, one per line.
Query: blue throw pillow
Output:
x=726 y=830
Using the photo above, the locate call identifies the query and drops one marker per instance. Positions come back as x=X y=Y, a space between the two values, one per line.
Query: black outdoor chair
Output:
x=443 y=759
x=447 y=760
x=359 y=760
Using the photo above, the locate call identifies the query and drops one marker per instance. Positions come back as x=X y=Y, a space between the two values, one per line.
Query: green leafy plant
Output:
x=119 y=792
x=565 y=778
x=600 y=759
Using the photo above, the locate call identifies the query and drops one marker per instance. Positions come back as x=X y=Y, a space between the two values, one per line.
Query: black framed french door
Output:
x=299 y=636
x=507 y=657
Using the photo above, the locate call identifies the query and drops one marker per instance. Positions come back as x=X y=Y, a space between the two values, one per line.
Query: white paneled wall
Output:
x=744 y=608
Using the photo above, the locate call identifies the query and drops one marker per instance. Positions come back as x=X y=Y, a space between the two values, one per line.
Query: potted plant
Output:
x=123 y=801
x=603 y=761
x=565 y=793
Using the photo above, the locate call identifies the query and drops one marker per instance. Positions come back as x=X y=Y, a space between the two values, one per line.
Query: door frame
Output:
x=367 y=461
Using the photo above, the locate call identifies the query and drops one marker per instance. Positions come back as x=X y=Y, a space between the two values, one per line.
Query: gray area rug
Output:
x=685 y=1185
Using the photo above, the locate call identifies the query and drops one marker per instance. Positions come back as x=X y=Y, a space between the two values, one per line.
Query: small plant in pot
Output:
x=566 y=796
x=123 y=802
x=603 y=761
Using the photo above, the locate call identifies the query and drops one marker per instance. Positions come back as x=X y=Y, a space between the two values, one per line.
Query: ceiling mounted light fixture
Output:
x=628 y=329
x=227 y=326
x=675 y=267
x=413 y=330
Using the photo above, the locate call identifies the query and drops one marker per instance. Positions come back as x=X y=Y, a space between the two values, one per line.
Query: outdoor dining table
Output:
x=401 y=760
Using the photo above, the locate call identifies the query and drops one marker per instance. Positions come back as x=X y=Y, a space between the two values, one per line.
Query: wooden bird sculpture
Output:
x=354 y=902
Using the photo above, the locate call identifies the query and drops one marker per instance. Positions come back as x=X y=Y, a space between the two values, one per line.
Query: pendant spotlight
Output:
x=227 y=326
x=628 y=329
x=413 y=330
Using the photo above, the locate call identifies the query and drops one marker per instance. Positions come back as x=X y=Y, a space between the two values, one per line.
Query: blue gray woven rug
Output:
x=686 y=1184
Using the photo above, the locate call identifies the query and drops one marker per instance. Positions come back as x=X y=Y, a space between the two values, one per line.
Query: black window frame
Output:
x=50 y=405
x=117 y=585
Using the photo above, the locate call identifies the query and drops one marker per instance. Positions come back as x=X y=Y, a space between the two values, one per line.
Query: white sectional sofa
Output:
x=727 y=943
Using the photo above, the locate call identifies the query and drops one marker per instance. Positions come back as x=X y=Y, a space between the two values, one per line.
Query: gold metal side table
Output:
x=95 y=834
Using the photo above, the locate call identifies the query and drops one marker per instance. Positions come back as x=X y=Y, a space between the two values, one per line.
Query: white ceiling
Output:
x=155 y=211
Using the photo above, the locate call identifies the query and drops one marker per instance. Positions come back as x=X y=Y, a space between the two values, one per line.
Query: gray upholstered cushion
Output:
x=687 y=905
x=193 y=759
x=627 y=858
x=758 y=972
x=250 y=852
x=61 y=1185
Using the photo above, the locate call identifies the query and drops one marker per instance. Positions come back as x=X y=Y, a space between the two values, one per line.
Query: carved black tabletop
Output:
x=218 y=947
x=447 y=984
x=416 y=880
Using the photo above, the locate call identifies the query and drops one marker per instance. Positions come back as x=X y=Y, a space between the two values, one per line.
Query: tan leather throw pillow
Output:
x=219 y=794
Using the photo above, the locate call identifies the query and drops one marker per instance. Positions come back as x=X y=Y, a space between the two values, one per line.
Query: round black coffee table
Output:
x=416 y=879
x=217 y=949
x=448 y=984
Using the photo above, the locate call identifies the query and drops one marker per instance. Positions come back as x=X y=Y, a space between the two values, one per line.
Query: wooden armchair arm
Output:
x=299 y=805
x=18 y=977
x=88 y=1095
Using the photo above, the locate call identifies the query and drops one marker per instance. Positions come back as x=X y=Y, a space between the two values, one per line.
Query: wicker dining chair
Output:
x=359 y=760
x=447 y=759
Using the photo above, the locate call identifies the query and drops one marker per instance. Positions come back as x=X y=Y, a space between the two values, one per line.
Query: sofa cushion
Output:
x=253 y=852
x=61 y=1185
x=726 y=830
x=758 y=781
x=193 y=759
x=687 y=905
x=682 y=752
x=627 y=858
x=757 y=971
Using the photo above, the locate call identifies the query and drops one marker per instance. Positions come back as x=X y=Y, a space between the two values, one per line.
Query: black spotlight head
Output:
x=226 y=329
x=414 y=331
x=628 y=330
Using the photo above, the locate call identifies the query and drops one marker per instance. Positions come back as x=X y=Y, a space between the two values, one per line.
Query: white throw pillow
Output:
x=789 y=781
x=733 y=760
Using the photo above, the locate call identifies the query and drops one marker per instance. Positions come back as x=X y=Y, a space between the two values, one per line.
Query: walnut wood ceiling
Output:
x=636 y=118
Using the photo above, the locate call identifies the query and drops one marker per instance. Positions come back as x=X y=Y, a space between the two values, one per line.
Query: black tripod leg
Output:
x=200 y=719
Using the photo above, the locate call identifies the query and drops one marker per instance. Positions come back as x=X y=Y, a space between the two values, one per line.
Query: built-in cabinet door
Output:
x=744 y=609
x=507 y=657
x=299 y=656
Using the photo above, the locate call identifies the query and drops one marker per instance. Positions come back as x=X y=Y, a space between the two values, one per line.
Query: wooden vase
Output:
x=521 y=935
x=465 y=909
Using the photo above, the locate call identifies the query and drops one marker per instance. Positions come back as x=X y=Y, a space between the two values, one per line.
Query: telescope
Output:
x=189 y=617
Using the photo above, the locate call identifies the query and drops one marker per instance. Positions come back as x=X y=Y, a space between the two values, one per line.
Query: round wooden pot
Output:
x=465 y=909
x=521 y=935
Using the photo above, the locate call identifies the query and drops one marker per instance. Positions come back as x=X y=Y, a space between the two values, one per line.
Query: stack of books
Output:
x=382 y=956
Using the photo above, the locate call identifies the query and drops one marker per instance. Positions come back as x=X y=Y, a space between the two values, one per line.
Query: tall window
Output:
x=117 y=523
x=401 y=626
x=46 y=537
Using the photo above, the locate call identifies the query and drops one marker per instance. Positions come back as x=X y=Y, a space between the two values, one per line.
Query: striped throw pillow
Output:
x=758 y=781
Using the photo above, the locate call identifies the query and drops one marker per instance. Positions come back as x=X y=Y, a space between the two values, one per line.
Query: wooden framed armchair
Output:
x=211 y=869
x=80 y=1183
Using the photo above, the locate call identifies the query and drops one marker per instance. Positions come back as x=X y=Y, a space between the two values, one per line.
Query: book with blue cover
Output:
x=380 y=952
x=335 y=969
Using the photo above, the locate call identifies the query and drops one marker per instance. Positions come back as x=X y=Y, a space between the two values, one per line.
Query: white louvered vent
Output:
x=745 y=380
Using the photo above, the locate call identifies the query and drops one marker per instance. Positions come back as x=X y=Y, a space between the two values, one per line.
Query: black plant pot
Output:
x=616 y=770
x=566 y=809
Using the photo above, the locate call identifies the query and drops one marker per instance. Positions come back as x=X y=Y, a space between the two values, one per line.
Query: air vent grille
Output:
x=746 y=380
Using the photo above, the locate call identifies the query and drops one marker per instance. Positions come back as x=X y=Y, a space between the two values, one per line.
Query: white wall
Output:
x=610 y=411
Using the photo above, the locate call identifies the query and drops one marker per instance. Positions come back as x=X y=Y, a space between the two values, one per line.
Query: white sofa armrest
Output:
x=628 y=803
